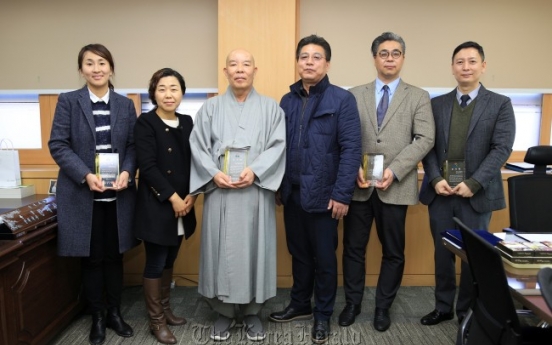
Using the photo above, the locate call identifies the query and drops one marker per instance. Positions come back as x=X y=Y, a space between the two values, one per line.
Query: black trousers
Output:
x=312 y=242
x=390 y=226
x=159 y=258
x=102 y=271
x=441 y=211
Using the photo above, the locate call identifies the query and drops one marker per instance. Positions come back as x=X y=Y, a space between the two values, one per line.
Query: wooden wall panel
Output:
x=136 y=98
x=268 y=30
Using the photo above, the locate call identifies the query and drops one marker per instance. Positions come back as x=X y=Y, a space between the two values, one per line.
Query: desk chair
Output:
x=529 y=194
x=544 y=277
x=494 y=320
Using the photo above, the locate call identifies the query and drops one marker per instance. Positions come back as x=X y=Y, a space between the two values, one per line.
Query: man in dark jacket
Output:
x=323 y=158
x=475 y=132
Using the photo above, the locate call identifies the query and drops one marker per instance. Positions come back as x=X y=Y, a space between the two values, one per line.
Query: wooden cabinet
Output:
x=39 y=291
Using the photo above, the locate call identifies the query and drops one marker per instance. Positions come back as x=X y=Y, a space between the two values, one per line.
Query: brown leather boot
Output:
x=158 y=323
x=166 y=281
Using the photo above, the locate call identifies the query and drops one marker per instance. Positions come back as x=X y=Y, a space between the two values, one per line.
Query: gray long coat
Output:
x=72 y=145
x=238 y=234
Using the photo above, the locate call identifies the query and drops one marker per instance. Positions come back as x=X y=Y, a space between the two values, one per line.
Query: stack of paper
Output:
x=17 y=192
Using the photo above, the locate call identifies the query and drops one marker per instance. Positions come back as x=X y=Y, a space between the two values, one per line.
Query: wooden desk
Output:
x=39 y=291
x=526 y=279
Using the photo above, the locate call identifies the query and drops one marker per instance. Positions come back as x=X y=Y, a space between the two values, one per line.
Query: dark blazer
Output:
x=72 y=145
x=489 y=143
x=163 y=155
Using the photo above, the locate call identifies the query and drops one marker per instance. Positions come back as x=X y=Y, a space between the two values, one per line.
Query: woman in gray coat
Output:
x=95 y=220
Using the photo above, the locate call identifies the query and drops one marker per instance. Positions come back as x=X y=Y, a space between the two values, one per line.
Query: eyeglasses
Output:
x=395 y=54
x=316 y=57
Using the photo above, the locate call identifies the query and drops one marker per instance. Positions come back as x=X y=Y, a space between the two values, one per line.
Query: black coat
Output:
x=163 y=156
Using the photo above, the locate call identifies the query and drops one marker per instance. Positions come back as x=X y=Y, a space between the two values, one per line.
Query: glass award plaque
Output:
x=107 y=168
x=235 y=160
x=454 y=172
x=372 y=167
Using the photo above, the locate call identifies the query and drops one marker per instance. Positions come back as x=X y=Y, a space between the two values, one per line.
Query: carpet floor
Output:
x=410 y=305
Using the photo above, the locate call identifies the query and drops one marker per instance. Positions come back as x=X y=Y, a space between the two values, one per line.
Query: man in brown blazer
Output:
x=396 y=122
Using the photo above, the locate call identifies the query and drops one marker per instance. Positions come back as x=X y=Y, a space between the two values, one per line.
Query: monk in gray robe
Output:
x=238 y=161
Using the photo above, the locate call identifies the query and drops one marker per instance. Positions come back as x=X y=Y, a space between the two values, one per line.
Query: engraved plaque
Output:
x=372 y=167
x=454 y=172
x=235 y=160
x=107 y=168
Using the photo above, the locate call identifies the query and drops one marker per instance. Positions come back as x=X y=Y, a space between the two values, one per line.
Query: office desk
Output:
x=522 y=282
x=40 y=293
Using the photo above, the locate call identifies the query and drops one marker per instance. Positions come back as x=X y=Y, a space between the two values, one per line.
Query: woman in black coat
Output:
x=164 y=208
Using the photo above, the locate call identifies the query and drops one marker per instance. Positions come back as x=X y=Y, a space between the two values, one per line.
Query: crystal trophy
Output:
x=372 y=167
x=235 y=161
x=107 y=168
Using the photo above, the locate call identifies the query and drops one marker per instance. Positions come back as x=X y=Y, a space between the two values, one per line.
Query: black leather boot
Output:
x=116 y=323
x=97 y=331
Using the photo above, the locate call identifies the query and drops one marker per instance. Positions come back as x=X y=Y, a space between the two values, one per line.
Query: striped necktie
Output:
x=383 y=104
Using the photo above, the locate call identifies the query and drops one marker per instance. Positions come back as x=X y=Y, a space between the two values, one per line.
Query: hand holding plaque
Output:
x=235 y=160
x=372 y=168
x=107 y=168
x=454 y=171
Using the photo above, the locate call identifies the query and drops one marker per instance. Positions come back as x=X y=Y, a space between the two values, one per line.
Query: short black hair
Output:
x=469 y=44
x=162 y=73
x=387 y=36
x=314 y=39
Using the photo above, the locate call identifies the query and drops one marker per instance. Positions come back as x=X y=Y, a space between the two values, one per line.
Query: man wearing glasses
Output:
x=397 y=132
x=322 y=160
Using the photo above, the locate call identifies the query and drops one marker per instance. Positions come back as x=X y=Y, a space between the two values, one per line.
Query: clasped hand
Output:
x=182 y=207
x=225 y=181
x=385 y=182
x=96 y=185
x=442 y=188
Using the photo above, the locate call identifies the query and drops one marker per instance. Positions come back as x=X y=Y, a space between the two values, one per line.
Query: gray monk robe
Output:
x=238 y=233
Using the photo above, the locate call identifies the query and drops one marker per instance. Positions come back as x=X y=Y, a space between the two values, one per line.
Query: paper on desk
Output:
x=535 y=237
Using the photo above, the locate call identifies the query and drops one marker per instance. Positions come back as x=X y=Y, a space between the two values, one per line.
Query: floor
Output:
x=410 y=305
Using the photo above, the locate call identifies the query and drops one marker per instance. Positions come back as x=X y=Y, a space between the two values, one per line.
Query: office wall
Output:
x=516 y=36
x=40 y=40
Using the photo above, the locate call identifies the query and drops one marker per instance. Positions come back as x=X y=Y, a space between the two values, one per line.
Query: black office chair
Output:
x=544 y=277
x=494 y=320
x=529 y=194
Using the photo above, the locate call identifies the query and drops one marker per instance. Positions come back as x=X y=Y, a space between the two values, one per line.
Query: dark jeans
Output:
x=159 y=258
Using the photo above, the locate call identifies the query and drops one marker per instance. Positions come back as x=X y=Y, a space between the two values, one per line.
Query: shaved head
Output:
x=243 y=54
x=240 y=71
